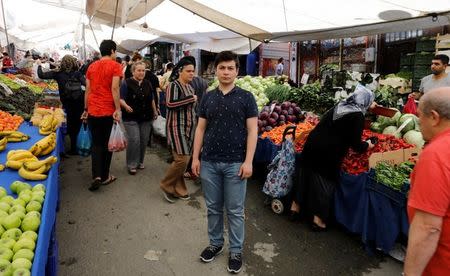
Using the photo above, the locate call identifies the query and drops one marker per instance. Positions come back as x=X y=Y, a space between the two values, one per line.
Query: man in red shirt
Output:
x=102 y=108
x=429 y=199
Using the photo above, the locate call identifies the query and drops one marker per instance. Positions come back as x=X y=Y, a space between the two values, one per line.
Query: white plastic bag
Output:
x=117 y=139
x=159 y=126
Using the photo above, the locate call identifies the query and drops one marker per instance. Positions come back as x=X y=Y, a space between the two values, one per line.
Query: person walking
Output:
x=138 y=110
x=428 y=251
x=180 y=101
x=71 y=94
x=227 y=134
x=102 y=108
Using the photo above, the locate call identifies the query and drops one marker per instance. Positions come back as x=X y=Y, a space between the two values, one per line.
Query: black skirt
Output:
x=314 y=193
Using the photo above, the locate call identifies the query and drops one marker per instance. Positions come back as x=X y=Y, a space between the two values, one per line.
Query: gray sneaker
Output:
x=169 y=197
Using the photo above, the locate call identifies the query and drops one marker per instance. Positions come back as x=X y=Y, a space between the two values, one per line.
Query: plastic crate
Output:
x=407 y=60
x=424 y=59
x=396 y=197
x=421 y=71
x=428 y=45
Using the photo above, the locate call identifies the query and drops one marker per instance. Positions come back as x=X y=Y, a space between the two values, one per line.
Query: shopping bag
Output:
x=410 y=106
x=279 y=179
x=84 y=140
x=117 y=140
x=159 y=126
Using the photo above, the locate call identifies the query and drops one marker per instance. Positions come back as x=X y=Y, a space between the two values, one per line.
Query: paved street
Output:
x=128 y=229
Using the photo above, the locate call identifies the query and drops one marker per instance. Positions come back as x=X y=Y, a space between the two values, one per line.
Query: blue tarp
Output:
x=51 y=183
x=371 y=209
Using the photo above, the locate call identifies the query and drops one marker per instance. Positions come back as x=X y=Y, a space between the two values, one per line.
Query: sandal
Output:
x=95 y=185
x=317 y=228
x=141 y=166
x=110 y=180
x=132 y=171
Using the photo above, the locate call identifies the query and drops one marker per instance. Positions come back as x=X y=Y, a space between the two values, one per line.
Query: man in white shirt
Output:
x=280 y=67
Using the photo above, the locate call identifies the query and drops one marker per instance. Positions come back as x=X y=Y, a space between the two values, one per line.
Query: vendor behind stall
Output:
x=438 y=78
x=318 y=171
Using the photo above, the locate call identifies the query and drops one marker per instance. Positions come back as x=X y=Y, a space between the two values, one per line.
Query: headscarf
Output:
x=188 y=60
x=359 y=101
x=68 y=64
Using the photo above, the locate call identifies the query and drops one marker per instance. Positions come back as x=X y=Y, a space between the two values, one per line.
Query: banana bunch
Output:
x=48 y=125
x=36 y=169
x=13 y=136
x=16 y=158
x=41 y=113
x=44 y=146
x=3 y=143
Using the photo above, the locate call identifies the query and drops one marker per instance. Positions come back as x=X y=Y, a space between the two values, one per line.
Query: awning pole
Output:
x=341 y=53
x=115 y=17
x=83 y=35
x=93 y=33
x=250 y=44
x=6 y=30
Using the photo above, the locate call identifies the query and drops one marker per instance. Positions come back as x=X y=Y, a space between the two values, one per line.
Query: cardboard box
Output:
x=394 y=157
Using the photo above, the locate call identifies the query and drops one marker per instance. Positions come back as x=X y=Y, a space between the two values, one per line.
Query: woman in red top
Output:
x=102 y=100
x=6 y=62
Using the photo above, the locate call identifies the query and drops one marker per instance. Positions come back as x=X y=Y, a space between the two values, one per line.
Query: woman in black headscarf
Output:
x=319 y=166
x=180 y=126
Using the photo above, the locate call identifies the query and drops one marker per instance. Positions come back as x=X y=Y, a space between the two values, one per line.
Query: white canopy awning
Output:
x=214 y=25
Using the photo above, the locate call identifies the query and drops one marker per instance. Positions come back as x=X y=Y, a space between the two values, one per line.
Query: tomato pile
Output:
x=9 y=122
x=356 y=163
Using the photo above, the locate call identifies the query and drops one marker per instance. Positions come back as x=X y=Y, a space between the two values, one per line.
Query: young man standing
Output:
x=101 y=109
x=226 y=134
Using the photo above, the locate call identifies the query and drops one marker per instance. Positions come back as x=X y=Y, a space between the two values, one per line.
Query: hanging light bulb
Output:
x=145 y=25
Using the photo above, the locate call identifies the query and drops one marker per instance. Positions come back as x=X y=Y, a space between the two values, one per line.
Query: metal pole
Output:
x=250 y=44
x=115 y=17
x=341 y=53
x=83 y=37
x=93 y=33
x=6 y=29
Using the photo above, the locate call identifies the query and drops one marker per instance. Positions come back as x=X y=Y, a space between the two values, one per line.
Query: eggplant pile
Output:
x=277 y=114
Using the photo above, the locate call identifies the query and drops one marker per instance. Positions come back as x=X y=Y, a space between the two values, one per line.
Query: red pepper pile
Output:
x=356 y=163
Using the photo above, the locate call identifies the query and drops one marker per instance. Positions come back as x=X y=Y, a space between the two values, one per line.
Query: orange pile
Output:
x=9 y=122
x=276 y=134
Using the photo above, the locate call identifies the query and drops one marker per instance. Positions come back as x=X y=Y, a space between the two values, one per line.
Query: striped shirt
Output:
x=180 y=117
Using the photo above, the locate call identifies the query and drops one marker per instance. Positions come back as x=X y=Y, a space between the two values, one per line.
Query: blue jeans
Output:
x=223 y=187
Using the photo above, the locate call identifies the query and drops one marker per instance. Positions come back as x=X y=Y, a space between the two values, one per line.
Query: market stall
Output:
x=372 y=194
x=17 y=181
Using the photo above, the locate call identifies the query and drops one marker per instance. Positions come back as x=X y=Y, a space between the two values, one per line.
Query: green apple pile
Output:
x=19 y=222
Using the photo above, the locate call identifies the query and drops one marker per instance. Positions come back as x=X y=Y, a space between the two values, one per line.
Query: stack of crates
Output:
x=425 y=51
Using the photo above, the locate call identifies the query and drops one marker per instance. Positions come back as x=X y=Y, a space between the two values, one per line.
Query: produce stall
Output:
x=372 y=195
x=45 y=146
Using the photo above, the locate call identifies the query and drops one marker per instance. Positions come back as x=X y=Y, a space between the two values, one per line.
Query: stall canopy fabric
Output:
x=213 y=24
x=291 y=20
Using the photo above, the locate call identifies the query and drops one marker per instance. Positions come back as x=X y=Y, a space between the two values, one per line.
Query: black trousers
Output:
x=73 y=109
x=100 y=128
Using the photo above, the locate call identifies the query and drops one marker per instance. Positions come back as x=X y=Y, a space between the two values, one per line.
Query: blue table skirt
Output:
x=51 y=183
x=371 y=209
x=362 y=205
